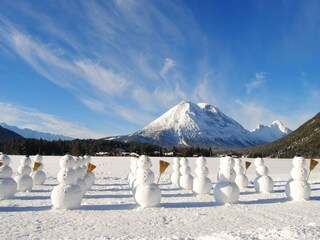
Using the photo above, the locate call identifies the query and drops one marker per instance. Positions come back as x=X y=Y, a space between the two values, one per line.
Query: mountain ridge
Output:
x=202 y=124
x=29 y=133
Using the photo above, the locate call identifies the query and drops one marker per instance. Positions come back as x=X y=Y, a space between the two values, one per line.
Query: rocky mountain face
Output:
x=190 y=124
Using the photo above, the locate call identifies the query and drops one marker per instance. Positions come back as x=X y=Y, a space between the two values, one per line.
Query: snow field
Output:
x=108 y=210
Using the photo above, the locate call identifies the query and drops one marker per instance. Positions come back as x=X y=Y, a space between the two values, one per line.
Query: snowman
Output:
x=146 y=194
x=90 y=176
x=8 y=186
x=226 y=190
x=175 y=175
x=38 y=176
x=201 y=183
x=80 y=173
x=241 y=179
x=24 y=180
x=297 y=188
x=66 y=195
x=133 y=170
x=186 y=180
x=263 y=183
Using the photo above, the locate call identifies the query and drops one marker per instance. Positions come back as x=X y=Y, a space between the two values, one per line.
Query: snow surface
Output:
x=108 y=210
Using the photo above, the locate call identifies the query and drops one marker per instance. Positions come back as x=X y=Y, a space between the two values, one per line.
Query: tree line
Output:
x=78 y=147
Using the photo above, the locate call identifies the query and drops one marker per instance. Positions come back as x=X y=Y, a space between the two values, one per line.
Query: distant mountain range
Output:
x=305 y=140
x=203 y=125
x=29 y=133
x=8 y=134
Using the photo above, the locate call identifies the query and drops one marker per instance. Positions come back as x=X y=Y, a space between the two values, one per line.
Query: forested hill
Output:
x=305 y=141
x=8 y=134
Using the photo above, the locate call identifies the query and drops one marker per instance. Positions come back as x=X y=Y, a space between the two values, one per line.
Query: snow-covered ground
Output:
x=108 y=210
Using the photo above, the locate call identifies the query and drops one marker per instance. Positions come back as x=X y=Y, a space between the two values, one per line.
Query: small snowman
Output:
x=38 y=176
x=90 y=176
x=24 y=180
x=263 y=183
x=175 y=175
x=241 y=179
x=66 y=195
x=80 y=173
x=201 y=183
x=133 y=170
x=146 y=194
x=8 y=186
x=186 y=180
x=226 y=190
x=297 y=188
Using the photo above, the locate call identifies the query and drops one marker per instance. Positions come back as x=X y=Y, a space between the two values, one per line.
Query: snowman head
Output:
x=87 y=158
x=38 y=158
x=259 y=162
x=144 y=162
x=298 y=161
x=67 y=161
x=176 y=160
x=184 y=161
x=26 y=161
x=226 y=162
x=5 y=159
x=201 y=161
x=237 y=161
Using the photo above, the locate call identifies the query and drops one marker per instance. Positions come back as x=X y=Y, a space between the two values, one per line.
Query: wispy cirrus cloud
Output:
x=40 y=121
x=259 y=79
x=169 y=64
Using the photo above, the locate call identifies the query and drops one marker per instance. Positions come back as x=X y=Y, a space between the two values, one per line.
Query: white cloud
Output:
x=169 y=64
x=43 y=122
x=256 y=82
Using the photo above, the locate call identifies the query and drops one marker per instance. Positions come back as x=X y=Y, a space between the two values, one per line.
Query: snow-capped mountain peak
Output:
x=271 y=132
x=202 y=124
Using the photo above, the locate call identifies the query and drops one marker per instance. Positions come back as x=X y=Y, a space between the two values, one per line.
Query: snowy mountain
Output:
x=29 y=133
x=271 y=132
x=8 y=134
x=189 y=124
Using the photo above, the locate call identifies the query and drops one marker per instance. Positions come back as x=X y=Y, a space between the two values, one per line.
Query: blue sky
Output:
x=90 y=69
